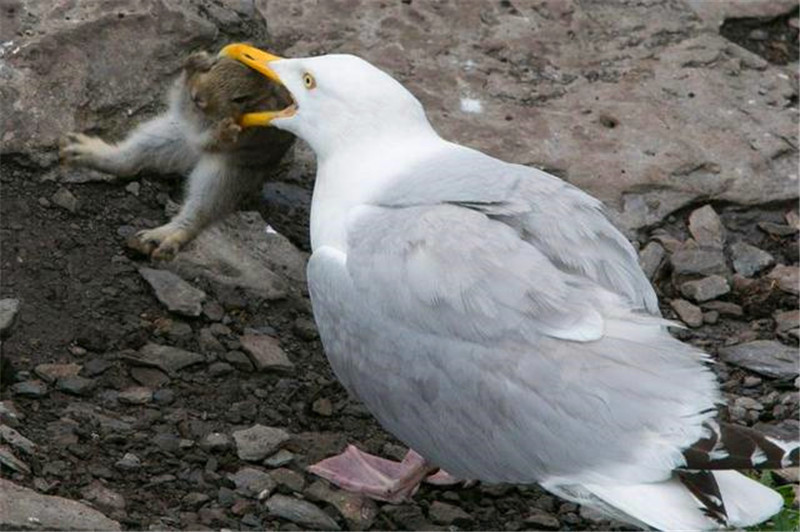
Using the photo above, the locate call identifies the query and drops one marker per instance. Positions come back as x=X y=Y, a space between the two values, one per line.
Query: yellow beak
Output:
x=259 y=61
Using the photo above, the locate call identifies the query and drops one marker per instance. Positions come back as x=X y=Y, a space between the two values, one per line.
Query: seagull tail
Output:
x=675 y=505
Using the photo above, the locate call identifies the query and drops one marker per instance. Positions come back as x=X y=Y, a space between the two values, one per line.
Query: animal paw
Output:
x=161 y=243
x=228 y=132
x=83 y=150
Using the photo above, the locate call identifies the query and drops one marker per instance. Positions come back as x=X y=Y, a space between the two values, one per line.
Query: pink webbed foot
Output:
x=378 y=478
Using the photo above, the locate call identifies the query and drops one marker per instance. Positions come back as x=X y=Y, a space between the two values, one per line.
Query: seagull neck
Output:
x=354 y=174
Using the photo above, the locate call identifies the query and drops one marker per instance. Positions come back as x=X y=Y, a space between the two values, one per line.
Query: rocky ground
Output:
x=192 y=394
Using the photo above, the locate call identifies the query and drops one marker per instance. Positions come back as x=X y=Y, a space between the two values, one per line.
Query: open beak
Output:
x=259 y=61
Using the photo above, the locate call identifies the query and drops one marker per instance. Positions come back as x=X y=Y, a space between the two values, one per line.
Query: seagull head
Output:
x=337 y=99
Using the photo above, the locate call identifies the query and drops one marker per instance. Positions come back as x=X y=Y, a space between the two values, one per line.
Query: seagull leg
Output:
x=377 y=478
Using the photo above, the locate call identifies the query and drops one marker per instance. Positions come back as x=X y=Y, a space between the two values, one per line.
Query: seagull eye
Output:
x=309 y=81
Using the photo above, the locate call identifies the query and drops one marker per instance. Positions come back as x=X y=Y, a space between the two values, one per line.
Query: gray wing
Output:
x=565 y=224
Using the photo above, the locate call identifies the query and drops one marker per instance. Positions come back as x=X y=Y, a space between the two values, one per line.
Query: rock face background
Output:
x=192 y=394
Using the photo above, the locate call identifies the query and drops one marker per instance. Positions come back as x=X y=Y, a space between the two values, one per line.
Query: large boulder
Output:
x=101 y=65
x=648 y=116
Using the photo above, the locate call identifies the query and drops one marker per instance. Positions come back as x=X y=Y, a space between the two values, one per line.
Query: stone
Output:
x=174 y=293
x=705 y=289
x=195 y=499
x=408 y=516
x=651 y=257
x=133 y=188
x=281 y=458
x=149 y=377
x=102 y=497
x=76 y=385
x=65 y=199
x=220 y=369
x=239 y=254
x=706 y=228
x=301 y=512
x=359 y=511
x=689 y=314
x=135 y=395
x=239 y=360
x=748 y=403
x=725 y=308
x=129 y=462
x=96 y=366
x=774 y=229
x=442 y=513
x=213 y=311
x=24 y=509
x=50 y=373
x=164 y=396
x=9 y=308
x=265 y=352
x=786 y=320
x=169 y=359
x=766 y=357
x=33 y=388
x=323 y=407
x=691 y=260
x=253 y=483
x=216 y=442
x=258 y=442
x=292 y=480
x=749 y=260
x=787 y=278
x=10 y=460
x=9 y=415
x=17 y=440
x=541 y=520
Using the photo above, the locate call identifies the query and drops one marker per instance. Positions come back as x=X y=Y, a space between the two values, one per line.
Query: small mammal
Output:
x=198 y=135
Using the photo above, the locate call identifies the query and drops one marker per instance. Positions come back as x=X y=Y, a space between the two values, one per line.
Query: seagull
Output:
x=491 y=317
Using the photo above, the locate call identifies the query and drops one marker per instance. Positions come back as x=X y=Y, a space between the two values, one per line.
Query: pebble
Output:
x=359 y=511
x=785 y=320
x=133 y=188
x=167 y=442
x=10 y=460
x=173 y=292
x=725 y=308
x=292 y=480
x=690 y=260
x=219 y=369
x=102 y=497
x=706 y=227
x=651 y=258
x=787 y=278
x=301 y=512
x=216 y=442
x=442 y=513
x=213 y=310
x=65 y=199
x=281 y=458
x=540 y=520
x=76 y=385
x=258 y=442
x=265 y=352
x=749 y=260
x=711 y=317
x=253 y=483
x=9 y=414
x=305 y=329
x=16 y=440
x=209 y=343
x=751 y=381
x=195 y=500
x=322 y=407
x=9 y=308
x=129 y=462
x=777 y=229
x=766 y=357
x=150 y=377
x=239 y=360
x=136 y=395
x=748 y=403
x=96 y=366
x=50 y=373
x=706 y=288
x=689 y=314
x=171 y=359
x=165 y=396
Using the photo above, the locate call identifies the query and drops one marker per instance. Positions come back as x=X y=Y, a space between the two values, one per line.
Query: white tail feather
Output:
x=670 y=506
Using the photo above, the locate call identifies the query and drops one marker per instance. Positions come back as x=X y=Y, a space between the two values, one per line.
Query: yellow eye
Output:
x=309 y=81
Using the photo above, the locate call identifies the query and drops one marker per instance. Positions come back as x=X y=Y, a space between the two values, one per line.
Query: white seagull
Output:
x=491 y=317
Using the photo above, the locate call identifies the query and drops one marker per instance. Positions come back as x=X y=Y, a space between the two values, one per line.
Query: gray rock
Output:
x=174 y=293
x=749 y=260
x=541 y=520
x=76 y=385
x=706 y=228
x=359 y=511
x=322 y=407
x=705 y=289
x=135 y=395
x=292 y=480
x=16 y=440
x=691 y=260
x=651 y=257
x=34 y=511
x=765 y=357
x=301 y=512
x=786 y=320
x=10 y=460
x=787 y=277
x=195 y=499
x=239 y=361
x=9 y=415
x=129 y=462
x=149 y=377
x=219 y=369
x=96 y=366
x=133 y=188
x=216 y=442
x=265 y=352
x=689 y=314
x=725 y=308
x=50 y=373
x=253 y=483
x=748 y=403
x=777 y=229
x=168 y=358
x=442 y=513
x=33 y=388
x=258 y=442
x=281 y=458
x=65 y=199
x=213 y=311
x=8 y=313
x=102 y=497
